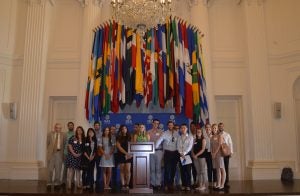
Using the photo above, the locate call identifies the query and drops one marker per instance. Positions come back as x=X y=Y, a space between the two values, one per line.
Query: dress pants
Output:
x=55 y=163
x=170 y=161
x=155 y=167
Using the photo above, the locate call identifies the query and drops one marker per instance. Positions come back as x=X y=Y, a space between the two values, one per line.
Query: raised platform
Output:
x=261 y=187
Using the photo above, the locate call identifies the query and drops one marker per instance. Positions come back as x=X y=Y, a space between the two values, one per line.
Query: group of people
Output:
x=192 y=152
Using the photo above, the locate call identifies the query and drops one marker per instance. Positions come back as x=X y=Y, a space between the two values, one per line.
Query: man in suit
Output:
x=55 y=145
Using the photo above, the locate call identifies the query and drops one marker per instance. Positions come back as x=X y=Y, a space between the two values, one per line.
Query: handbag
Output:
x=225 y=150
x=99 y=152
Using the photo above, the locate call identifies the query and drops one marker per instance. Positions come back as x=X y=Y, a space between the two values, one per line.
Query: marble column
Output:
x=259 y=79
x=261 y=161
x=91 y=19
x=199 y=18
x=32 y=90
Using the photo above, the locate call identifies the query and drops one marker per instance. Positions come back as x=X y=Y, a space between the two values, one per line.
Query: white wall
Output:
x=229 y=57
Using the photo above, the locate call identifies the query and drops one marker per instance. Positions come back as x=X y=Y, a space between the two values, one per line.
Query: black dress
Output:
x=123 y=140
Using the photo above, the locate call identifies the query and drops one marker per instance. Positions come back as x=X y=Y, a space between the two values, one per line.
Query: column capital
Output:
x=255 y=2
x=40 y=2
x=85 y=3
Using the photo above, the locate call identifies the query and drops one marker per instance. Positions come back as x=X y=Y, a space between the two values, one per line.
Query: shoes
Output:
x=107 y=188
x=201 y=188
x=183 y=188
x=187 y=188
x=166 y=188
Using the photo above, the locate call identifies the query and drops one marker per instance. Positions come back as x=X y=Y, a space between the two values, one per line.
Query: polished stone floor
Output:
x=261 y=187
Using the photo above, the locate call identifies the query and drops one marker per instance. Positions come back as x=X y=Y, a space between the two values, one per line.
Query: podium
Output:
x=141 y=166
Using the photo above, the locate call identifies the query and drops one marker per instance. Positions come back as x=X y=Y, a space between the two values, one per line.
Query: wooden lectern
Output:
x=141 y=165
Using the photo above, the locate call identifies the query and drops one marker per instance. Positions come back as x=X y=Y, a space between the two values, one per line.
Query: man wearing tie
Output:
x=55 y=146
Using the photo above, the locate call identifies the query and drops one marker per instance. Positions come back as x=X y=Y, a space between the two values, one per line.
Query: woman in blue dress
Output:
x=107 y=147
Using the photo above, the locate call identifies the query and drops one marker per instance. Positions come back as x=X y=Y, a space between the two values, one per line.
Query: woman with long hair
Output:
x=124 y=158
x=199 y=153
x=217 y=159
x=141 y=135
x=107 y=148
x=73 y=161
x=88 y=160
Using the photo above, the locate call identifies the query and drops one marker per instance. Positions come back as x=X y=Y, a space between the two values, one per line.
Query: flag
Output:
x=98 y=75
x=195 y=85
x=123 y=69
x=148 y=71
x=116 y=77
x=128 y=70
x=89 y=81
x=175 y=66
x=204 y=112
x=160 y=67
x=181 y=69
x=153 y=66
x=188 y=103
x=139 y=79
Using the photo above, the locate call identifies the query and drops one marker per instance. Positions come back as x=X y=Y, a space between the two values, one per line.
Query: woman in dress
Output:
x=141 y=135
x=217 y=159
x=73 y=161
x=199 y=153
x=88 y=160
x=124 y=158
x=107 y=148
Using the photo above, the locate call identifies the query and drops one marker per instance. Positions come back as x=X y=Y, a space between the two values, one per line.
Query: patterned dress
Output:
x=71 y=161
x=218 y=161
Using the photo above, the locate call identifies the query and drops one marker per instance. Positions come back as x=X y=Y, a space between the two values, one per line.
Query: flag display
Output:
x=164 y=67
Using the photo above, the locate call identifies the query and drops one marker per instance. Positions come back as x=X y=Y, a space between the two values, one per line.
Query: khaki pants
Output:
x=55 y=165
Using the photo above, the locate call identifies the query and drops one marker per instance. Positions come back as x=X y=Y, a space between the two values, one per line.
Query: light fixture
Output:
x=141 y=14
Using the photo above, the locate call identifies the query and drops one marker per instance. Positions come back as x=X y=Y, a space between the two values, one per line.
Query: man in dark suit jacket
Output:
x=55 y=147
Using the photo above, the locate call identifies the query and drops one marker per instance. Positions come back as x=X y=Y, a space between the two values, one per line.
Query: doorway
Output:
x=229 y=111
x=62 y=110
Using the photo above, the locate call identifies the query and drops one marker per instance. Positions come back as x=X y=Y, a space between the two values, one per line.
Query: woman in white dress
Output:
x=107 y=146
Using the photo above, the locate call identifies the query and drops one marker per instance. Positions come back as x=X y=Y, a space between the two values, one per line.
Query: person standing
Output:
x=98 y=154
x=169 y=139
x=88 y=160
x=217 y=159
x=193 y=127
x=55 y=141
x=73 y=162
x=156 y=158
x=211 y=173
x=107 y=161
x=141 y=135
x=124 y=158
x=69 y=134
x=228 y=141
x=184 y=147
x=199 y=153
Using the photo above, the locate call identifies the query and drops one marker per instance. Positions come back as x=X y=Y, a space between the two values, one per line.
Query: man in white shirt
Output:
x=169 y=140
x=228 y=141
x=184 y=147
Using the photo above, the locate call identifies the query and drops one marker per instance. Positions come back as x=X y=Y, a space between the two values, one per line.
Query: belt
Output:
x=58 y=150
x=158 y=149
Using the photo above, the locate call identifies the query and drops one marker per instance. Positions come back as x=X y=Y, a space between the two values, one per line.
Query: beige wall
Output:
x=229 y=60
